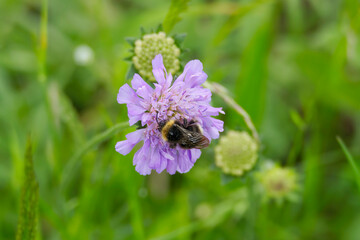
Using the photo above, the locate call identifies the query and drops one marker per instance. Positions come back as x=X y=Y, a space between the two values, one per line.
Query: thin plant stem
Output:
x=350 y=159
x=73 y=164
x=42 y=47
x=223 y=93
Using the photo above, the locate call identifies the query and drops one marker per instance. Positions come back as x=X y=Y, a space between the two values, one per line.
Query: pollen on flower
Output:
x=181 y=99
x=151 y=45
x=236 y=153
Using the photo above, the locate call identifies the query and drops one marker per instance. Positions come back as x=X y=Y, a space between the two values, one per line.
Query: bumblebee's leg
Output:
x=172 y=145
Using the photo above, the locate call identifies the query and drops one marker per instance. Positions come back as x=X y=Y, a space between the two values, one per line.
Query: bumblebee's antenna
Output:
x=157 y=120
x=162 y=123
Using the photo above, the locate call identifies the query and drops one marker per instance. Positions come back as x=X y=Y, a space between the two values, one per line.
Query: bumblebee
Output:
x=187 y=134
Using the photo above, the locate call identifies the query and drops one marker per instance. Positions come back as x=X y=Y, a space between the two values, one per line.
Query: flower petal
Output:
x=155 y=158
x=195 y=154
x=193 y=69
x=142 y=88
x=127 y=95
x=184 y=163
x=212 y=127
x=141 y=159
x=159 y=70
x=171 y=166
x=135 y=113
x=124 y=147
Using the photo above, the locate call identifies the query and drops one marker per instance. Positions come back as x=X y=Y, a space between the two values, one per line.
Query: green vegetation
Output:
x=293 y=65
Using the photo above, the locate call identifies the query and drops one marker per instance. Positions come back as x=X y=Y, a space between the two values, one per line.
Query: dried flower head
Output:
x=148 y=47
x=278 y=183
x=236 y=153
x=182 y=99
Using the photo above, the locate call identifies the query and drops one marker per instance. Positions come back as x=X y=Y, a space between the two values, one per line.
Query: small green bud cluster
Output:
x=236 y=153
x=148 y=47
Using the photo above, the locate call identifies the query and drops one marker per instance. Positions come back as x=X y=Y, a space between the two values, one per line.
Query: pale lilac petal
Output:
x=135 y=113
x=191 y=68
x=196 y=79
x=141 y=160
x=144 y=92
x=134 y=109
x=162 y=166
x=124 y=147
x=159 y=70
x=142 y=88
x=138 y=82
x=218 y=124
x=127 y=95
x=184 y=163
x=145 y=118
x=171 y=166
x=155 y=158
x=211 y=111
x=212 y=126
x=134 y=119
x=195 y=154
x=166 y=155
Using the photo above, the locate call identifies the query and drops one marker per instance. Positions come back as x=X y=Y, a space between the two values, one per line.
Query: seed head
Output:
x=278 y=183
x=151 y=45
x=236 y=152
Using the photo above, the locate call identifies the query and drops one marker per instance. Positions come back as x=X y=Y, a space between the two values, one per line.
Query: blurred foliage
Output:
x=294 y=65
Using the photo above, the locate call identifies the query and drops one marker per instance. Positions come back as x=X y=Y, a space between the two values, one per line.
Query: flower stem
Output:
x=42 y=47
x=223 y=93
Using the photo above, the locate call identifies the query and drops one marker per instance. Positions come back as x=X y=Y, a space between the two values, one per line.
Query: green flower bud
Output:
x=236 y=153
x=148 y=47
x=278 y=183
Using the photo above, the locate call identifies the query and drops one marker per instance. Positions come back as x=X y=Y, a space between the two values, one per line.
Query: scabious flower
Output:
x=236 y=153
x=184 y=98
x=150 y=45
x=278 y=183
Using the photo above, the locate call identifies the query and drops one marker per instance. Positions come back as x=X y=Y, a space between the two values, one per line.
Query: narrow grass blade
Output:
x=350 y=159
x=29 y=200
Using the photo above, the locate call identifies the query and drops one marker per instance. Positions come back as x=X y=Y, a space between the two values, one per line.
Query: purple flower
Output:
x=185 y=98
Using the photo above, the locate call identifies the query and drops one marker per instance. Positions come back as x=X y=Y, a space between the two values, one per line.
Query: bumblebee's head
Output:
x=169 y=131
x=161 y=124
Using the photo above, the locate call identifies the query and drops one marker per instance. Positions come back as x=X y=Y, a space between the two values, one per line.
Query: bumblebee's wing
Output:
x=192 y=139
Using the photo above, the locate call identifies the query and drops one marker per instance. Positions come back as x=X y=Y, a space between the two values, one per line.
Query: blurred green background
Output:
x=294 y=65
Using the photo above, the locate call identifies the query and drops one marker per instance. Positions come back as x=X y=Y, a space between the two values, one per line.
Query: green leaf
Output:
x=173 y=15
x=131 y=41
x=159 y=28
x=29 y=199
x=142 y=31
x=351 y=160
x=131 y=72
x=179 y=38
x=128 y=58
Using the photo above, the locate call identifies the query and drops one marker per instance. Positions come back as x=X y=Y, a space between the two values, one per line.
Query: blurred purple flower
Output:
x=184 y=99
